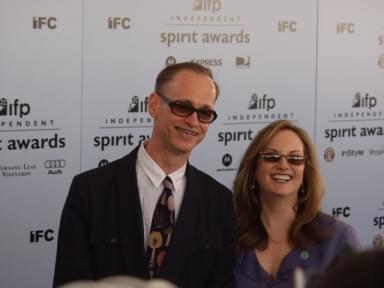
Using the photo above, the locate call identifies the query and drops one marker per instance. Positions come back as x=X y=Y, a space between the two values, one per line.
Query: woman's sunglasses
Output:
x=274 y=157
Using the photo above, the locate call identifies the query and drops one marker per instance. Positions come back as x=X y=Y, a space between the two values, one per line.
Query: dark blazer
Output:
x=101 y=230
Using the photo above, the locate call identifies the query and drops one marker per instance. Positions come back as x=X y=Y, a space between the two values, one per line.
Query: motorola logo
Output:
x=103 y=162
x=226 y=160
x=170 y=61
x=54 y=164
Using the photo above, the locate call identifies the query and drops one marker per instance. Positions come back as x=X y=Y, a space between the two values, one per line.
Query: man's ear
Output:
x=153 y=104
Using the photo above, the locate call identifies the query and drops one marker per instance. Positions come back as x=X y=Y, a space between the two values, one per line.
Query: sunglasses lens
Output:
x=274 y=158
x=270 y=157
x=206 y=116
x=182 y=109
x=295 y=160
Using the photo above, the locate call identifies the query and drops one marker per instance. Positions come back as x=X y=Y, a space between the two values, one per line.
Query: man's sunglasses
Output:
x=274 y=157
x=184 y=109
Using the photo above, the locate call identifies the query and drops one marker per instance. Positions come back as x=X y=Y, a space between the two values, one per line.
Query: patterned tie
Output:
x=163 y=224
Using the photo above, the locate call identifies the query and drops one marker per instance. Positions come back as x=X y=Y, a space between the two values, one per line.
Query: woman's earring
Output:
x=302 y=191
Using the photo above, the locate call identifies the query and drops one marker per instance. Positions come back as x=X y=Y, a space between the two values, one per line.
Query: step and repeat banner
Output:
x=75 y=78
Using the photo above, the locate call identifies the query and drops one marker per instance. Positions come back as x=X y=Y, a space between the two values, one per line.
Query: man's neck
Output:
x=167 y=161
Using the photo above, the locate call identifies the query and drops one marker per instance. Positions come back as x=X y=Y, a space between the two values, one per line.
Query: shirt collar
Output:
x=153 y=171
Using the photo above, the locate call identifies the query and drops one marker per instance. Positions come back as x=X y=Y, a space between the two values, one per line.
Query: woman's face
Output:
x=281 y=177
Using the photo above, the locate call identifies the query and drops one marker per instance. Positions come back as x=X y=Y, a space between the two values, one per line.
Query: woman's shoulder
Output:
x=342 y=232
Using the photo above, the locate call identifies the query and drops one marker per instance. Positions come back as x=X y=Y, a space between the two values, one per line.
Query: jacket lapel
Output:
x=187 y=236
x=130 y=217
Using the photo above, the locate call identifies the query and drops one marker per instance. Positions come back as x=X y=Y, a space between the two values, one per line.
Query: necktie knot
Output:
x=167 y=182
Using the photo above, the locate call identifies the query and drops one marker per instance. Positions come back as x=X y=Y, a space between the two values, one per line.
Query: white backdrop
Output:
x=74 y=77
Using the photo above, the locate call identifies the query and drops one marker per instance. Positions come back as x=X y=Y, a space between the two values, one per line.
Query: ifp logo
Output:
x=13 y=109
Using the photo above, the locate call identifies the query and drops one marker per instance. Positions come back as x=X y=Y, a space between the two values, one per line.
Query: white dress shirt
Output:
x=149 y=179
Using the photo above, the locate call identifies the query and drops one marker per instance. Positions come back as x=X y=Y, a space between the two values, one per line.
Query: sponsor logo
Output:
x=341 y=211
x=364 y=102
x=329 y=154
x=352 y=153
x=287 y=26
x=170 y=61
x=119 y=22
x=14 y=109
x=363 y=108
x=226 y=161
x=138 y=106
x=376 y=152
x=17 y=170
x=39 y=22
x=243 y=62
x=380 y=61
x=54 y=164
x=36 y=236
x=343 y=27
x=207 y=5
x=378 y=241
x=208 y=61
x=261 y=103
x=103 y=162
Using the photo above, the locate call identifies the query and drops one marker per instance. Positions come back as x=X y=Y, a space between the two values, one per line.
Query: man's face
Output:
x=175 y=134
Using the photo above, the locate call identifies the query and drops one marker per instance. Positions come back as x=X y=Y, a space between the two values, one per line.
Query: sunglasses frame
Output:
x=276 y=157
x=199 y=112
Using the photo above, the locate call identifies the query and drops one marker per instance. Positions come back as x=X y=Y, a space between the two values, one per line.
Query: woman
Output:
x=279 y=225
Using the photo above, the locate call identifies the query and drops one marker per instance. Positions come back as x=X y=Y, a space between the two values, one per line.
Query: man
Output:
x=107 y=216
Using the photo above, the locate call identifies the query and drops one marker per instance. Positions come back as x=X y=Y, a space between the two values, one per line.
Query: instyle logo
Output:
x=352 y=153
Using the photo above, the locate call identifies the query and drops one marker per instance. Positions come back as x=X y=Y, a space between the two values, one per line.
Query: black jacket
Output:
x=101 y=230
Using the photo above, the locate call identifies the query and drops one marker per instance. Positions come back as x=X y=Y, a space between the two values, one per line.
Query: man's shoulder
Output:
x=205 y=179
x=109 y=170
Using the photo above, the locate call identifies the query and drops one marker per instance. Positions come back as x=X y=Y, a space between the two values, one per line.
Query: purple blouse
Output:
x=249 y=273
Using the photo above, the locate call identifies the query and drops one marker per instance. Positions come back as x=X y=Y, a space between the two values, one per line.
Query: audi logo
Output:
x=57 y=163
